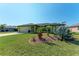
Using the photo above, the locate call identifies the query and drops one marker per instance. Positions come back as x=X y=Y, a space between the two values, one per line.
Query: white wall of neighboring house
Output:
x=74 y=29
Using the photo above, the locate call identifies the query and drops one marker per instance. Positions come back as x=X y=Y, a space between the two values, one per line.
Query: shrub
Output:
x=64 y=33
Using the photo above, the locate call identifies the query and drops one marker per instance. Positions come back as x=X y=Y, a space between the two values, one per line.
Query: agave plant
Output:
x=64 y=33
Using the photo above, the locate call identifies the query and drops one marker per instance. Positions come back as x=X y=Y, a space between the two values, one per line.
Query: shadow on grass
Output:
x=75 y=42
x=53 y=38
x=50 y=44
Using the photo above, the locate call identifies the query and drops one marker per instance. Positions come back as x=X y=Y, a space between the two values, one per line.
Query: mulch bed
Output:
x=42 y=40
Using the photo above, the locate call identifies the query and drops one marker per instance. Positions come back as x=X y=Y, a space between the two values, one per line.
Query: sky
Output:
x=24 y=13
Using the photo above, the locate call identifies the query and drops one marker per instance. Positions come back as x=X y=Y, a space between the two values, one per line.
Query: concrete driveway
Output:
x=7 y=34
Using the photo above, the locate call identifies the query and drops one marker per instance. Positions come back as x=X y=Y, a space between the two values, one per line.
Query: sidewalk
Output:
x=7 y=34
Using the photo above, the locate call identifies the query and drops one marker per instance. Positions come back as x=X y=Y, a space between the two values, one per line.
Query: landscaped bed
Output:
x=19 y=45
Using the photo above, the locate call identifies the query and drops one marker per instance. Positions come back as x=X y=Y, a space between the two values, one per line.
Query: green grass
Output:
x=18 y=45
x=75 y=33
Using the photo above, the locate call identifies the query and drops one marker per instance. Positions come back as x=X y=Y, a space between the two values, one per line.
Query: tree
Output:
x=2 y=26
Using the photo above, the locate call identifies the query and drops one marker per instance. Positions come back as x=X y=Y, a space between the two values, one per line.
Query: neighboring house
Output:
x=9 y=29
x=74 y=28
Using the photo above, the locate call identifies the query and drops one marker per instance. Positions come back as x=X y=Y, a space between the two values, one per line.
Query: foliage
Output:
x=64 y=33
x=48 y=29
x=2 y=26
x=39 y=29
x=44 y=29
x=75 y=33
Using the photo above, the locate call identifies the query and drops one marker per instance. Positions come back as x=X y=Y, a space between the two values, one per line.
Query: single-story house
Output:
x=74 y=28
x=9 y=29
x=34 y=28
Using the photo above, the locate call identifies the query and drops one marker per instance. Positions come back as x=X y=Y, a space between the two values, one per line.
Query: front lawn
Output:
x=18 y=45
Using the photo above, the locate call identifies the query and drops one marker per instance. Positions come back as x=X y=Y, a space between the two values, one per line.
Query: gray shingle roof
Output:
x=43 y=24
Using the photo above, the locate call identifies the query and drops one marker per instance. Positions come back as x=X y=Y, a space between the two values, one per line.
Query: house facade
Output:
x=74 y=28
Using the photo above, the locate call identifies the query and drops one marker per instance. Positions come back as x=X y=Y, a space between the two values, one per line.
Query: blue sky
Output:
x=17 y=14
